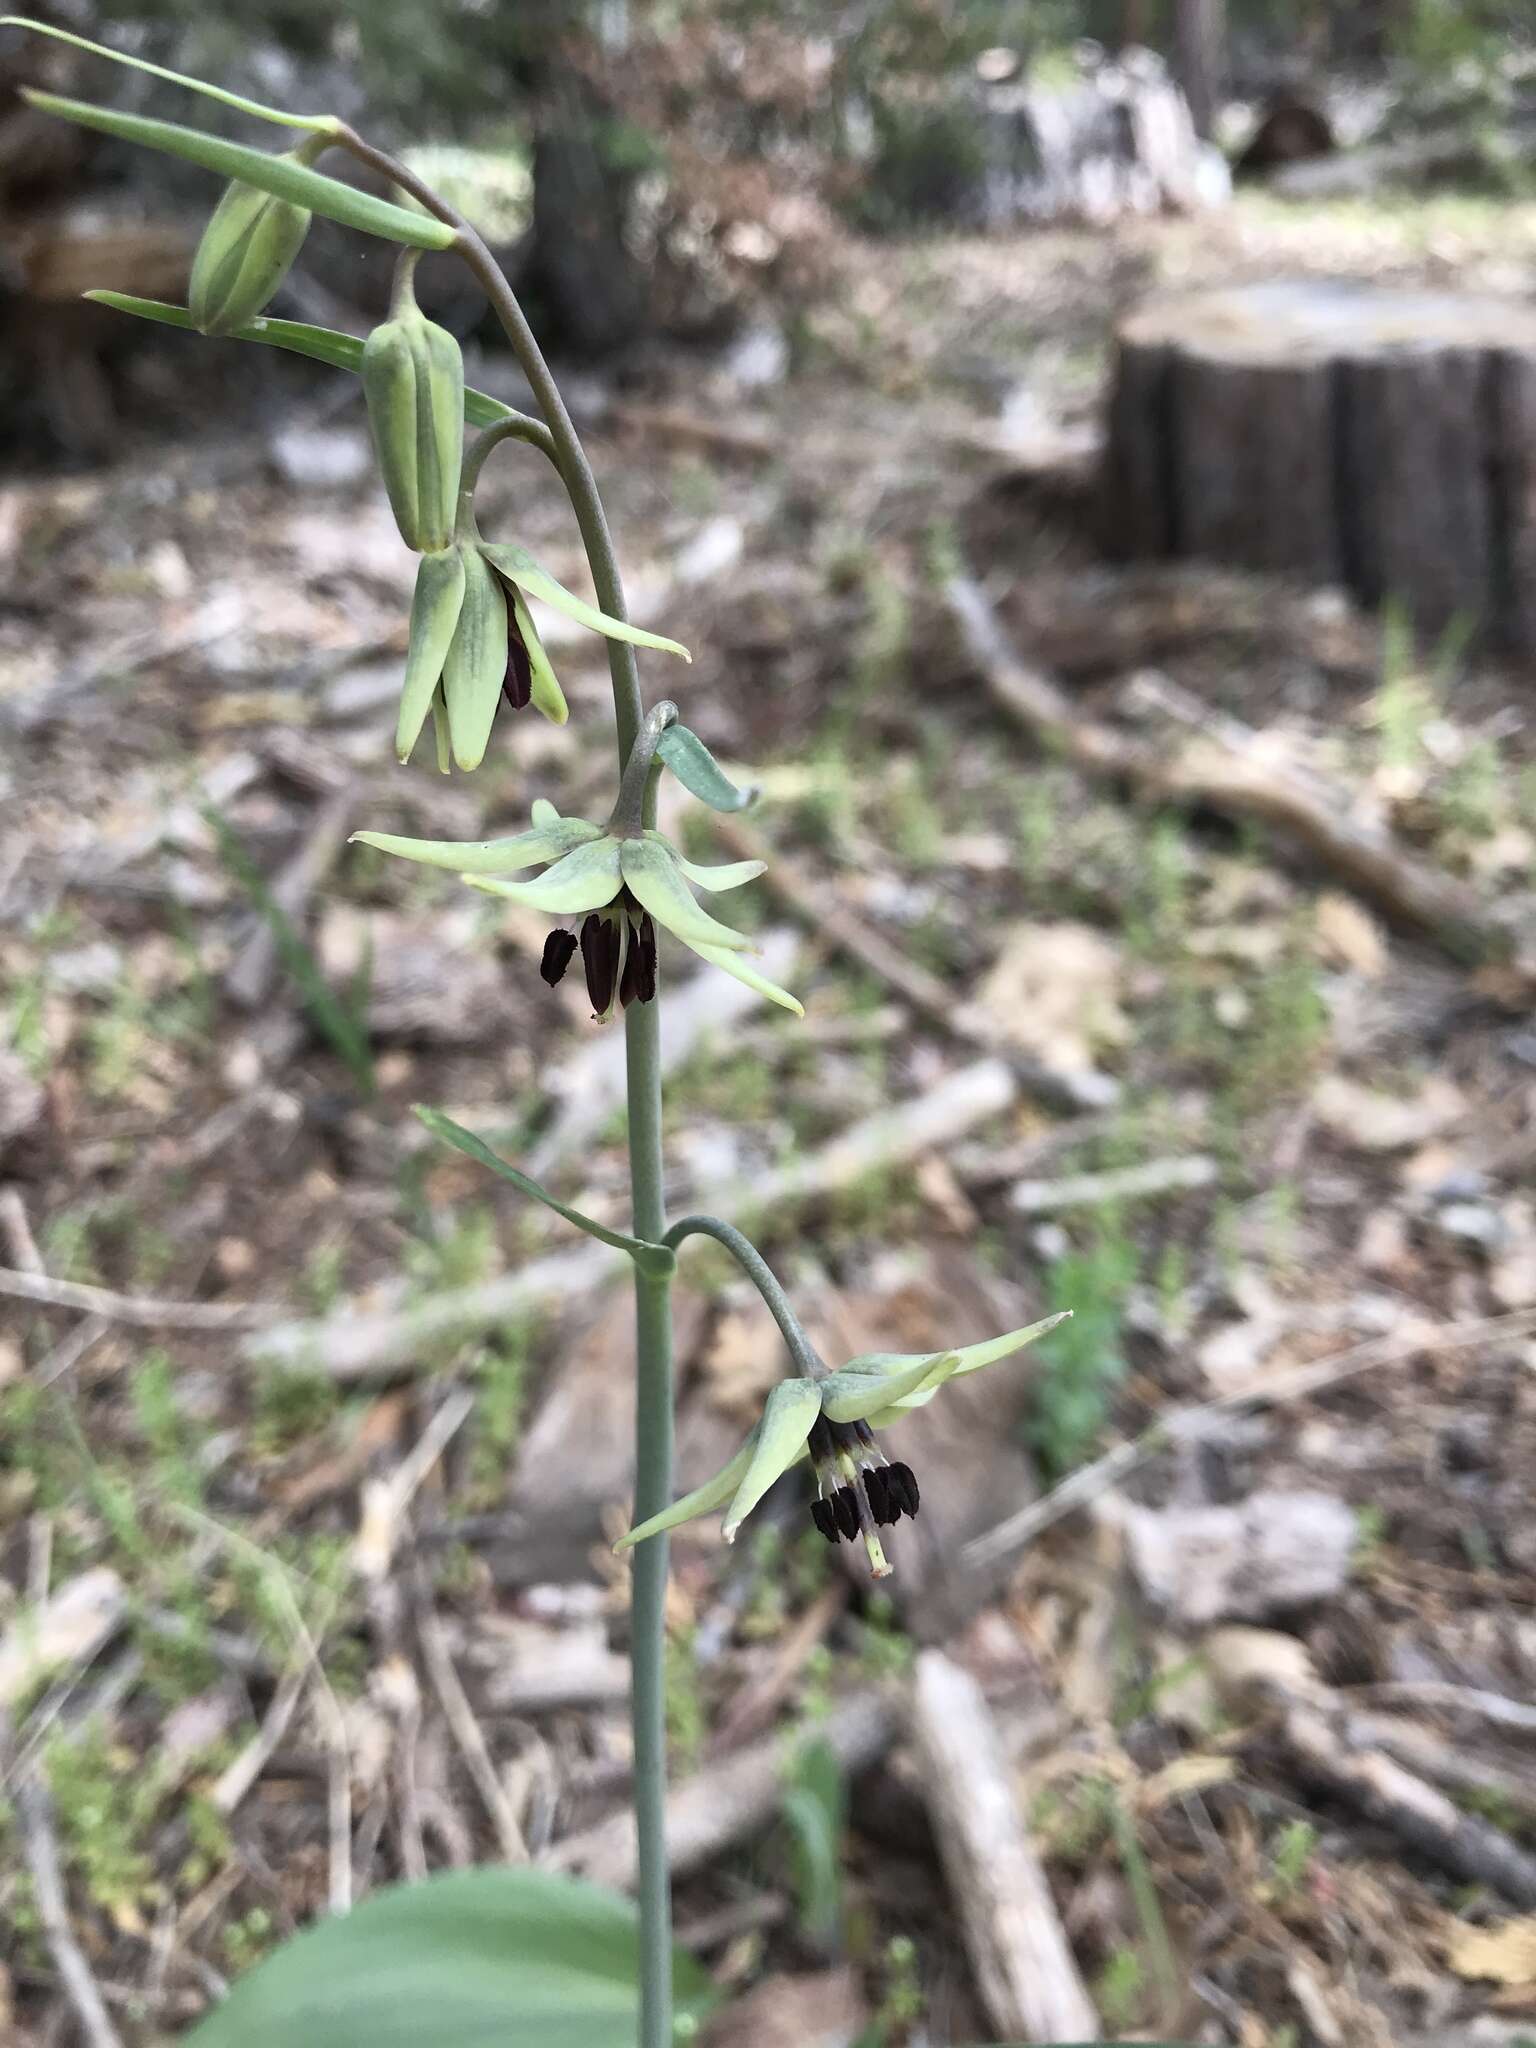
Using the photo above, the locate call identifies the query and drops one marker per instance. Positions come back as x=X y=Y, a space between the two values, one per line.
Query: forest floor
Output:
x=298 y=1602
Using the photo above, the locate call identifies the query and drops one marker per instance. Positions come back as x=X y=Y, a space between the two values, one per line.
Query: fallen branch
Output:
x=726 y=1803
x=354 y=1344
x=1024 y=1967
x=1447 y=1764
x=1462 y=1844
x=1491 y=1709
x=16 y=1230
x=1213 y=767
x=1188 y=1425
x=464 y=1727
x=933 y=1000
x=40 y=1846
x=141 y=1311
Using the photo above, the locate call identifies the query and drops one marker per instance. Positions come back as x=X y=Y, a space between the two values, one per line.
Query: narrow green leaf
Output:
x=699 y=772
x=468 y=1959
x=318 y=124
x=651 y=1258
x=320 y=344
x=279 y=174
x=814 y=1812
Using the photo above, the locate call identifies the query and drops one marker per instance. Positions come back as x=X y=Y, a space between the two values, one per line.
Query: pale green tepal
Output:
x=473 y=641
x=832 y=1422
x=620 y=884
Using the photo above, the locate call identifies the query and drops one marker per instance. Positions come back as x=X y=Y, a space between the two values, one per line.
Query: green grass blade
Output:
x=280 y=175
x=653 y=1258
x=320 y=344
x=340 y=1025
x=317 y=124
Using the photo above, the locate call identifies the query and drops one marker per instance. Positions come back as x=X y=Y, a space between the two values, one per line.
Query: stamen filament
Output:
x=879 y=1564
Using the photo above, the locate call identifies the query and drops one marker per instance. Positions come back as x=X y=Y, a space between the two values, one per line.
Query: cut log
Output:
x=1341 y=433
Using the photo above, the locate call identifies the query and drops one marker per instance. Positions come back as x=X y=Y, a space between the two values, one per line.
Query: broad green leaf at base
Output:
x=473 y=1959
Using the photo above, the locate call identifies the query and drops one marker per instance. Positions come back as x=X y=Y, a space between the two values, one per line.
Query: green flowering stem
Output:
x=635 y=805
x=517 y=427
x=642 y=1036
x=758 y=1271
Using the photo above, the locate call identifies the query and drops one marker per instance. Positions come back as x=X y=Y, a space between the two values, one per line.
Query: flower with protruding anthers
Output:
x=473 y=642
x=832 y=1422
x=620 y=884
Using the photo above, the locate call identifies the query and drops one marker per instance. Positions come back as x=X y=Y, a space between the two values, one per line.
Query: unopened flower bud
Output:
x=248 y=248
x=413 y=378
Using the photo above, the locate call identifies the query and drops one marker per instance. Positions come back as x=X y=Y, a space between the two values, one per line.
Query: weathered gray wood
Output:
x=1025 y=1969
x=1138 y=505
x=1514 y=483
x=1340 y=433
x=1416 y=502
x=1251 y=465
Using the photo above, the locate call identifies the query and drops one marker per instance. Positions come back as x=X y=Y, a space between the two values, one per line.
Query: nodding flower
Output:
x=474 y=645
x=832 y=1423
x=620 y=884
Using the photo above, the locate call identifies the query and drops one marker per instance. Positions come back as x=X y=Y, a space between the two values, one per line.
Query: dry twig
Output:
x=466 y=1729
x=1463 y=1844
x=249 y=977
x=1024 y=1966
x=41 y=1849
x=933 y=1000
x=141 y=1312
x=354 y=1345
x=727 y=1802
x=1216 y=766
x=1189 y=1425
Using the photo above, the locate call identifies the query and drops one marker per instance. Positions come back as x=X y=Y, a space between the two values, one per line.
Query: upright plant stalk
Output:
x=642 y=1047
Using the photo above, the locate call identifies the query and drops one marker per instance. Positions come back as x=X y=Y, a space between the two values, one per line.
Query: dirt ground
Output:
x=1243 y=1558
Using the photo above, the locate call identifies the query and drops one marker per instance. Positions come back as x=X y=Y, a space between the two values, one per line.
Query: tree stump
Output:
x=1341 y=433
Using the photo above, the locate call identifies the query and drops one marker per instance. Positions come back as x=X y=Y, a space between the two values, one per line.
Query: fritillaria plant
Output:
x=611 y=889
